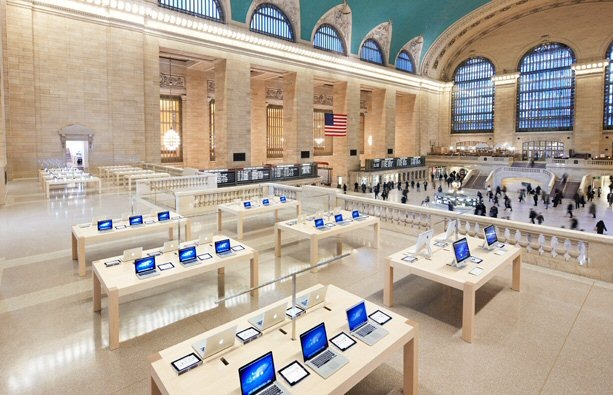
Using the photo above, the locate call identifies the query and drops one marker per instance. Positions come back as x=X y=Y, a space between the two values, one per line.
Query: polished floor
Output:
x=553 y=337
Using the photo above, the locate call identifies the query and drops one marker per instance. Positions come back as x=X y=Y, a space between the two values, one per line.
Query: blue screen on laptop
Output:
x=355 y=214
x=461 y=250
x=356 y=316
x=314 y=341
x=319 y=223
x=187 y=254
x=222 y=246
x=136 y=220
x=105 y=224
x=490 y=235
x=163 y=215
x=144 y=264
x=257 y=374
x=283 y=199
x=247 y=204
x=338 y=217
x=265 y=202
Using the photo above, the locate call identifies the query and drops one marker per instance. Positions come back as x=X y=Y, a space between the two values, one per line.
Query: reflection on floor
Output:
x=553 y=337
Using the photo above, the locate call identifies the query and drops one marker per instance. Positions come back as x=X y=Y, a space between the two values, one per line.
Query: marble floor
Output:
x=553 y=337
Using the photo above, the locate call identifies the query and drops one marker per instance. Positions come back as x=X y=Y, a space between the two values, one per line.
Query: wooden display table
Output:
x=215 y=377
x=438 y=270
x=120 y=280
x=241 y=212
x=307 y=230
x=48 y=182
x=85 y=234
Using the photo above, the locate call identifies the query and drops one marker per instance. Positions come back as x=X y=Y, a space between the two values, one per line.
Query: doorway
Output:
x=76 y=153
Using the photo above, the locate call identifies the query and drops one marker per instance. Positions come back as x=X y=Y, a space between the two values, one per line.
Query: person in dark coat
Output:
x=600 y=227
x=494 y=212
x=569 y=209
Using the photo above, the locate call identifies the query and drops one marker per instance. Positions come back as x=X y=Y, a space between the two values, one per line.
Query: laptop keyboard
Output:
x=272 y=390
x=365 y=330
x=323 y=358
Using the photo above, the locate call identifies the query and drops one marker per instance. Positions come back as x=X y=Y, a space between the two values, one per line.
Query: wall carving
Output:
x=291 y=8
x=323 y=100
x=383 y=35
x=274 y=94
x=340 y=18
x=414 y=48
x=363 y=105
x=172 y=81
x=210 y=89
x=76 y=132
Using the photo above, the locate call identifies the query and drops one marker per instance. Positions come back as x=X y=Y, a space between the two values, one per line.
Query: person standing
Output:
x=569 y=209
x=355 y=187
x=345 y=189
x=417 y=186
x=610 y=199
x=450 y=206
x=540 y=218
x=600 y=227
x=536 y=199
x=532 y=215
x=593 y=210
x=494 y=212
x=425 y=186
x=574 y=224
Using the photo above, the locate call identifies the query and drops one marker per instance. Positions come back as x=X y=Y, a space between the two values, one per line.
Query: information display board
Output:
x=253 y=174
x=225 y=177
x=232 y=177
x=395 y=163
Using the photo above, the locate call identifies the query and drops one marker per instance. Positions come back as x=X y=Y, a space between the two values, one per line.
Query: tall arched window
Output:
x=546 y=89
x=329 y=39
x=270 y=20
x=208 y=9
x=371 y=52
x=608 y=91
x=405 y=62
x=472 y=106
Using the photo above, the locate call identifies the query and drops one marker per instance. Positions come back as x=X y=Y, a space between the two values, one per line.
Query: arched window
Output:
x=472 y=106
x=405 y=62
x=329 y=39
x=546 y=89
x=270 y=20
x=608 y=91
x=208 y=9
x=371 y=52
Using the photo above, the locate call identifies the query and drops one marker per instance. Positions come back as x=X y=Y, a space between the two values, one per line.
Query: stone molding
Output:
x=291 y=9
x=340 y=18
x=383 y=35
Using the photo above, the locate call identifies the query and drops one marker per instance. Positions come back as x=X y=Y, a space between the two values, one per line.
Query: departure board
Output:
x=231 y=177
x=253 y=174
x=285 y=171
x=395 y=163
x=225 y=177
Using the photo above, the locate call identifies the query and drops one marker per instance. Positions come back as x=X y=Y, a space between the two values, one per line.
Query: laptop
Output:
x=132 y=254
x=355 y=214
x=316 y=353
x=105 y=225
x=319 y=224
x=338 y=218
x=265 y=202
x=163 y=216
x=145 y=267
x=283 y=199
x=247 y=204
x=270 y=317
x=462 y=253
x=361 y=328
x=260 y=377
x=188 y=256
x=170 y=246
x=215 y=343
x=491 y=239
x=312 y=298
x=222 y=247
x=136 y=220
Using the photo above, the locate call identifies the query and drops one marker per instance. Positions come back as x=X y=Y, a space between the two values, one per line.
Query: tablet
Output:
x=238 y=248
x=441 y=244
x=120 y=226
x=205 y=256
x=293 y=312
x=149 y=222
x=248 y=334
x=476 y=271
x=112 y=263
x=166 y=266
x=342 y=341
x=186 y=363
x=409 y=258
x=500 y=252
x=154 y=253
x=293 y=373
x=475 y=259
x=380 y=317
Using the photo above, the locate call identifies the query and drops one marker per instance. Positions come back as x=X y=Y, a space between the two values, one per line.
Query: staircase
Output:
x=476 y=183
x=570 y=189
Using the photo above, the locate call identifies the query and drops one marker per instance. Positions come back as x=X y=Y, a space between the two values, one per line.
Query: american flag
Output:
x=335 y=125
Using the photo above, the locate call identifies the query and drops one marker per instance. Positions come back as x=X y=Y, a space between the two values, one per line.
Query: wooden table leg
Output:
x=75 y=255
x=278 y=242
x=298 y=210
x=81 y=256
x=388 y=284
x=97 y=293
x=171 y=231
x=239 y=226
x=410 y=367
x=376 y=229
x=255 y=275
x=517 y=273
x=113 y=300
x=221 y=282
x=468 y=312
x=314 y=251
x=154 y=390
x=219 y=220
x=188 y=229
x=339 y=247
x=276 y=215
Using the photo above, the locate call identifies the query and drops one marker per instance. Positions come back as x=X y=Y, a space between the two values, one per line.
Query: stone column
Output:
x=258 y=122
x=151 y=75
x=587 y=135
x=298 y=116
x=346 y=101
x=505 y=102
x=195 y=128
x=389 y=112
x=405 y=142
x=2 y=100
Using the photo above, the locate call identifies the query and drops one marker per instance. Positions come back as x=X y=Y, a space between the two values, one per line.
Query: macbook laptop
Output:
x=188 y=256
x=283 y=199
x=316 y=353
x=312 y=298
x=490 y=237
x=163 y=216
x=462 y=253
x=338 y=218
x=222 y=247
x=319 y=224
x=361 y=328
x=260 y=377
x=132 y=254
x=215 y=343
x=170 y=246
x=145 y=267
x=247 y=204
x=105 y=225
x=265 y=202
x=136 y=220
x=270 y=317
x=355 y=214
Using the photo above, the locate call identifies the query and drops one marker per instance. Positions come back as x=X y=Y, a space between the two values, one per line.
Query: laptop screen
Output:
x=319 y=223
x=247 y=204
x=460 y=249
x=313 y=341
x=163 y=215
x=283 y=199
x=105 y=224
x=257 y=374
x=490 y=235
x=187 y=254
x=265 y=202
x=356 y=316
x=144 y=264
x=338 y=217
x=222 y=246
x=355 y=214
x=136 y=220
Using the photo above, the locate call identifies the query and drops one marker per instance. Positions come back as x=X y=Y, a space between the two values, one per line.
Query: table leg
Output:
x=47 y=190
x=255 y=275
x=276 y=215
x=219 y=220
x=468 y=313
x=74 y=247
x=339 y=247
x=376 y=230
x=278 y=242
x=221 y=282
x=298 y=210
x=171 y=231
x=97 y=293
x=99 y=187
x=239 y=226
x=314 y=251
x=188 y=229
x=154 y=389
x=517 y=273
x=410 y=367
x=81 y=256
x=113 y=300
x=388 y=284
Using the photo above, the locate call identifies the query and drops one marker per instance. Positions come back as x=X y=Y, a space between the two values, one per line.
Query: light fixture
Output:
x=319 y=141
x=171 y=139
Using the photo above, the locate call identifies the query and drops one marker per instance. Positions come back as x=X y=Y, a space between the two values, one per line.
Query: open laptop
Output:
x=265 y=202
x=270 y=317
x=136 y=220
x=316 y=353
x=132 y=254
x=355 y=214
x=462 y=253
x=423 y=243
x=145 y=267
x=491 y=239
x=170 y=246
x=247 y=204
x=188 y=256
x=312 y=298
x=105 y=225
x=260 y=377
x=319 y=224
x=163 y=216
x=283 y=199
x=215 y=343
x=360 y=326
x=222 y=247
x=338 y=218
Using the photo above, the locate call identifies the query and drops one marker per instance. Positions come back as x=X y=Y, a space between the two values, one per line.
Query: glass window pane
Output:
x=405 y=62
x=371 y=52
x=270 y=20
x=329 y=39
x=207 y=9
x=473 y=97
